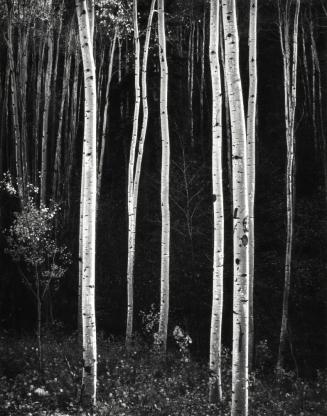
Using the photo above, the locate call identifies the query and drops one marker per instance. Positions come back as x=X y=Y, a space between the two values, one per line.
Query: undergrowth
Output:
x=137 y=384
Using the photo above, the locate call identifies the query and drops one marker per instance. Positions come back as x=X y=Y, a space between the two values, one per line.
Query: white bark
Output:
x=215 y=387
x=240 y=214
x=136 y=178
x=130 y=191
x=251 y=139
x=88 y=207
x=165 y=168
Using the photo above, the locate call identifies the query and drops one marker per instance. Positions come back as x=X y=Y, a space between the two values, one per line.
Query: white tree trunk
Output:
x=130 y=191
x=88 y=206
x=251 y=139
x=215 y=388
x=165 y=167
x=240 y=213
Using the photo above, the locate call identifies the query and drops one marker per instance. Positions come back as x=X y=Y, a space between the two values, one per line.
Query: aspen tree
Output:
x=105 y=114
x=135 y=172
x=165 y=168
x=36 y=121
x=45 y=124
x=130 y=190
x=251 y=138
x=64 y=95
x=288 y=40
x=88 y=192
x=190 y=70
x=14 y=107
x=202 y=80
x=215 y=388
x=240 y=382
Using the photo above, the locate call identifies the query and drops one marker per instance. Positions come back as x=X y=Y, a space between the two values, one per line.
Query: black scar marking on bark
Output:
x=237 y=261
x=245 y=240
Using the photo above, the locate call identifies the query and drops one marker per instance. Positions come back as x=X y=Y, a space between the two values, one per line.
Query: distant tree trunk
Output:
x=215 y=385
x=105 y=115
x=89 y=182
x=202 y=81
x=4 y=116
x=64 y=96
x=45 y=127
x=288 y=40
x=130 y=191
x=165 y=167
x=251 y=140
x=36 y=121
x=240 y=382
x=14 y=108
x=22 y=77
x=39 y=317
x=191 y=80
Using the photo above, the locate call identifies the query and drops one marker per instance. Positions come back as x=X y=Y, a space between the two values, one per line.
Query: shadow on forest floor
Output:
x=135 y=385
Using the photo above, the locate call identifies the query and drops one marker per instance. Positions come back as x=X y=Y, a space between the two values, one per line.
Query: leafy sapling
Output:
x=32 y=244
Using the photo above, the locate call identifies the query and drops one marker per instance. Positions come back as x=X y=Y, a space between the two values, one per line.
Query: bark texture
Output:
x=240 y=382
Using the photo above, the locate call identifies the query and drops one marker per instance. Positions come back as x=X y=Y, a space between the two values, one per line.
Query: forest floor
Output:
x=138 y=384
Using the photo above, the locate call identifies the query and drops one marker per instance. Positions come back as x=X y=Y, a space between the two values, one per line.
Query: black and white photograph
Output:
x=163 y=207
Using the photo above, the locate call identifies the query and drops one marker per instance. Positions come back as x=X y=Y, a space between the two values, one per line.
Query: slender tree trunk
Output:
x=89 y=177
x=45 y=127
x=22 y=77
x=165 y=168
x=191 y=79
x=251 y=140
x=215 y=384
x=137 y=175
x=202 y=81
x=64 y=97
x=130 y=191
x=14 y=108
x=36 y=123
x=105 y=115
x=4 y=116
x=39 y=318
x=290 y=93
x=240 y=382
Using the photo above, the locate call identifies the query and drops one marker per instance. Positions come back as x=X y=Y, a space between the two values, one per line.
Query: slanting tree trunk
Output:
x=165 y=168
x=215 y=385
x=45 y=126
x=130 y=191
x=288 y=40
x=136 y=176
x=240 y=382
x=89 y=182
x=251 y=140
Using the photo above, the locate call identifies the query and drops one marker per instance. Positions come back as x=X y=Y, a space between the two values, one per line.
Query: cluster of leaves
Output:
x=112 y=15
x=136 y=384
x=32 y=241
